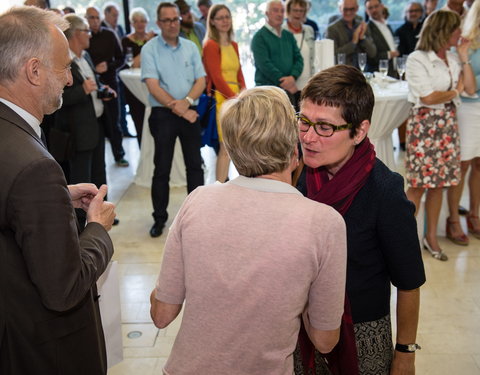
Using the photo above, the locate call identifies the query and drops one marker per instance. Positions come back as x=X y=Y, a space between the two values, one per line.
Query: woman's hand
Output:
x=462 y=49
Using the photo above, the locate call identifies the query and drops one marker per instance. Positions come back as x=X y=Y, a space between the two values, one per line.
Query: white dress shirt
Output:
x=387 y=34
x=87 y=72
x=426 y=73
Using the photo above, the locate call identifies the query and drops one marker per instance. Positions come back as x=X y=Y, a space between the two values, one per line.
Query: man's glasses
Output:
x=169 y=21
x=85 y=31
x=323 y=129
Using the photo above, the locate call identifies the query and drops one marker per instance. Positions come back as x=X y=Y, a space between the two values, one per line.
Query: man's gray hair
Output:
x=25 y=32
x=107 y=8
x=76 y=23
x=139 y=12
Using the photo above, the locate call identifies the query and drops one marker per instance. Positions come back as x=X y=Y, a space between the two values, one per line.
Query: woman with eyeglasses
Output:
x=133 y=44
x=304 y=36
x=224 y=73
x=382 y=244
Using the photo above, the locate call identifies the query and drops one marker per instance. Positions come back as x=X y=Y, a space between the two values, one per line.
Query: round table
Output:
x=390 y=111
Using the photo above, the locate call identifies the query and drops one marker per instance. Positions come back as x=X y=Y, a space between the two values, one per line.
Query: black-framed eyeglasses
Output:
x=322 y=128
x=169 y=21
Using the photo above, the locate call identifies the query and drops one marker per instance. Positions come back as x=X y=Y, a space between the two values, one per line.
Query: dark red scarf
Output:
x=339 y=192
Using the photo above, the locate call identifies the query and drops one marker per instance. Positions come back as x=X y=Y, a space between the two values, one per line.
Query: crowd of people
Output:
x=302 y=283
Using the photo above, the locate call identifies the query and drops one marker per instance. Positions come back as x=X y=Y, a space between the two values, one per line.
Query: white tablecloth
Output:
x=143 y=177
x=390 y=110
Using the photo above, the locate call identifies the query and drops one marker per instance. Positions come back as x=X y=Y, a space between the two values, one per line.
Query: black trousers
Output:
x=112 y=127
x=89 y=166
x=165 y=127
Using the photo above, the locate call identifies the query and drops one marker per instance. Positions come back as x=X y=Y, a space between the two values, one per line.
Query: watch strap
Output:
x=189 y=100
x=409 y=348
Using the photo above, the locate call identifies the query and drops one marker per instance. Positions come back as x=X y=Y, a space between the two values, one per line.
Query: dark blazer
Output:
x=338 y=32
x=49 y=316
x=77 y=114
x=382 y=50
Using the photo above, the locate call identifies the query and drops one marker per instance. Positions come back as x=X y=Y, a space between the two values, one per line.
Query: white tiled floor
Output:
x=449 y=330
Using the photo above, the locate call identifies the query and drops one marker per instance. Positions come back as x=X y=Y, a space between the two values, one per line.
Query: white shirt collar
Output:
x=29 y=118
x=273 y=30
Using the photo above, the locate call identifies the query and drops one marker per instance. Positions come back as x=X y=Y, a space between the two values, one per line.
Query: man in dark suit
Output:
x=382 y=37
x=49 y=316
x=107 y=55
x=350 y=35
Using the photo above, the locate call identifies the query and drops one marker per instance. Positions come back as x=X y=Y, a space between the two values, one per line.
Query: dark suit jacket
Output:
x=49 y=317
x=337 y=31
x=382 y=50
x=77 y=114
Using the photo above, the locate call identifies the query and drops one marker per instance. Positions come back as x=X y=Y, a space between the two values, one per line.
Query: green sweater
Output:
x=275 y=57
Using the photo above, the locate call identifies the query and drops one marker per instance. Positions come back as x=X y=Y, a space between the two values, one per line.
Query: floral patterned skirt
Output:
x=433 y=148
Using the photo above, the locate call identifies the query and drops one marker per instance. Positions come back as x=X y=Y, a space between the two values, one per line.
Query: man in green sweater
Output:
x=278 y=61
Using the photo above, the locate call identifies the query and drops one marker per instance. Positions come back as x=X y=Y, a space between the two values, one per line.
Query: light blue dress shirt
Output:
x=474 y=56
x=176 y=68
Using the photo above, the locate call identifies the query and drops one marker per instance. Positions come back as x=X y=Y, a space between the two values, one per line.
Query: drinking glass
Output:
x=341 y=58
x=362 y=60
x=401 y=62
x=383 y=67
x=129 y=57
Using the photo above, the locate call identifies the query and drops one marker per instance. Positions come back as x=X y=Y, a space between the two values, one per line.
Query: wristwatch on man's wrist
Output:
x=409 y=348
x=189 y=100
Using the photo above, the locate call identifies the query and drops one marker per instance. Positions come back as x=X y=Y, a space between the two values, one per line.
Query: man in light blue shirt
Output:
x=173 y=72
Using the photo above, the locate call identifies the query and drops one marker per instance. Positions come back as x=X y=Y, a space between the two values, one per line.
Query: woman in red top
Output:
x=224 y=73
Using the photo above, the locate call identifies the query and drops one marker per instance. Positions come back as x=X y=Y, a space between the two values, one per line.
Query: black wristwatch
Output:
x=410 y=348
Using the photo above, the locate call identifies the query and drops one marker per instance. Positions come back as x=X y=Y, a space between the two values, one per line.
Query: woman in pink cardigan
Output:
x=224 y=73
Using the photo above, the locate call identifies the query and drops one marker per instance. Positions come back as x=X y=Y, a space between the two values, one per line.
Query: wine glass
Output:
x=341 y=59
x=362 y=60
x=401 y=62
x=383 y=67
x=129 y=57
x=396 y=41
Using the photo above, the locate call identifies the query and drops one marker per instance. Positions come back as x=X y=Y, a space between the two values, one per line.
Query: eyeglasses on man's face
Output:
x=322 y=128
x=170 y=21
x=88 y=31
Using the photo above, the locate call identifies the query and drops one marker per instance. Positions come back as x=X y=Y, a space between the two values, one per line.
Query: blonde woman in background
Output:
x=224 y=73
x=435 y=81
x=469 y=127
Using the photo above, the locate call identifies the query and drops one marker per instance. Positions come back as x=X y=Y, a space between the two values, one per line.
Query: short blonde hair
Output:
x=437 y=30
x=259 y=131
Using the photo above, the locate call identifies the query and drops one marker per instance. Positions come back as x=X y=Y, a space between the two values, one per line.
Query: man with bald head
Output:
x=49 y=316
x=350 y=34
x=278 y=61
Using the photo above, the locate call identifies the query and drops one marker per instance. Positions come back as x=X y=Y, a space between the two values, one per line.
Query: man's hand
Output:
x=359 y=32
x=89 y=85
x=403 y=364
x=288 y=83
x=190 y=115
x=101 y=67
x=393 y=54
x=100 y=211
x=179 y=107
x=111 y=91
x=82 y=195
